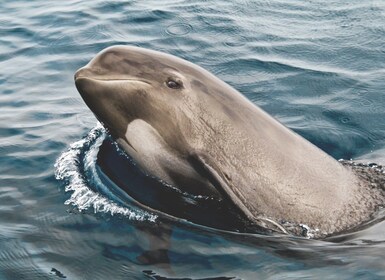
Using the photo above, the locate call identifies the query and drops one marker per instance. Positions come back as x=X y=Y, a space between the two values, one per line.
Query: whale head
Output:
x=152 y=104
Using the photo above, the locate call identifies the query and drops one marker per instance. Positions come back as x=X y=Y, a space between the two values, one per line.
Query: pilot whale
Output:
x=186 y=127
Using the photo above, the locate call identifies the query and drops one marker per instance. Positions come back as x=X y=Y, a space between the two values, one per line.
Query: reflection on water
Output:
x=318 y=68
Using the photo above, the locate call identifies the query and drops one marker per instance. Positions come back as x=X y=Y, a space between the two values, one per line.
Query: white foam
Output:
x=71 y=168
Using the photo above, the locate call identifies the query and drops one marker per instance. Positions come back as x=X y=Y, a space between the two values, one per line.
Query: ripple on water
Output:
x=179 y=29
x=235 y=40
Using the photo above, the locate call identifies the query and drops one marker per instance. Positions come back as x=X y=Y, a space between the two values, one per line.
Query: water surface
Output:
x=317 y=67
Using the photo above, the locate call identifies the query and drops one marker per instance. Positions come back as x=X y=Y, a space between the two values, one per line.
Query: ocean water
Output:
x=316 y=66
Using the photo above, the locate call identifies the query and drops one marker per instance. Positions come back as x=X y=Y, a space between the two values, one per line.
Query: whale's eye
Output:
x=174 y=84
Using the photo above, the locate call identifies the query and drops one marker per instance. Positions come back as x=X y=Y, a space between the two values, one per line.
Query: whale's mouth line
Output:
x=112 y=80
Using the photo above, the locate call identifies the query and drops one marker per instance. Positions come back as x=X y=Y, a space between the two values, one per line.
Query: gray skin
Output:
x=188 y=128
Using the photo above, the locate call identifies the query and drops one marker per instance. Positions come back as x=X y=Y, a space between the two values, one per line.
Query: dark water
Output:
x=317 y=66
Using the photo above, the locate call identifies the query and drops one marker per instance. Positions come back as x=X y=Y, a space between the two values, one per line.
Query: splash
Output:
x=77 y=169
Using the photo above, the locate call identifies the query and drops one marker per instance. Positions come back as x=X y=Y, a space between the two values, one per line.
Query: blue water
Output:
x=317 y=66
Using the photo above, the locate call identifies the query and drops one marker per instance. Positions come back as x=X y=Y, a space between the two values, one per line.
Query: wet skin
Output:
x=188 y=128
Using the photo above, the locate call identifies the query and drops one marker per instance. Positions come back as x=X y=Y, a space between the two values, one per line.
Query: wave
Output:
x=76 y=167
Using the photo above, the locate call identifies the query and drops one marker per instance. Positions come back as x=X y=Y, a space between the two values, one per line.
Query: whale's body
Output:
x=188 y=128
